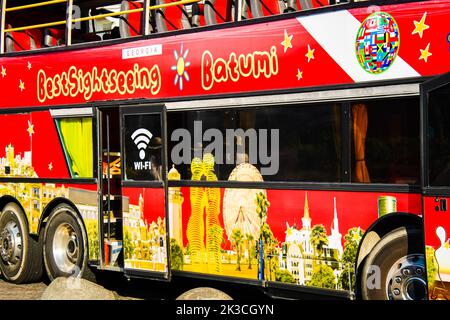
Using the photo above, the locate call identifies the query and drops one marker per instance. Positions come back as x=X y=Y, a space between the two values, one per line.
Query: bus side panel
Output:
x=35 y=197
x=303 y=232
x=437 y=239
x=31 y=145
x=144 y=226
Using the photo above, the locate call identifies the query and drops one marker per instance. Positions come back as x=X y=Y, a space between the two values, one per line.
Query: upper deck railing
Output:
x=245 y=9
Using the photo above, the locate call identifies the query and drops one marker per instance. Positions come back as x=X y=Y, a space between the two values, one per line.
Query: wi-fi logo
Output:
x=141 y=138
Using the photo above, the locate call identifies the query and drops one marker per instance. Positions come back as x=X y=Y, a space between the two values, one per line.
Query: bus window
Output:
x=386 y=141
x=294 y=143
x=143 y=147
x=439 y=136
x=77 y=140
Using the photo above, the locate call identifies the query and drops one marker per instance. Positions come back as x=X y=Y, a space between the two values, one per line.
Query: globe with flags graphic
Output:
x=377 y=42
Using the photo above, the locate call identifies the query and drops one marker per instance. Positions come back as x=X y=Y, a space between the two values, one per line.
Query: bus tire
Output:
x=65 y=244
x=395 y=268
x=204 y=293
x=20 y=253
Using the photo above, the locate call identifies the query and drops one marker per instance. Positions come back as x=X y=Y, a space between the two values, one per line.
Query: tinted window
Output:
x=386 y=141
x=439 y=136
x=295 y=143
x=143 y=147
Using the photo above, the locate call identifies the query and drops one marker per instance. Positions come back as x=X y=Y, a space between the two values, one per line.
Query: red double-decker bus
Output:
x=294 y=147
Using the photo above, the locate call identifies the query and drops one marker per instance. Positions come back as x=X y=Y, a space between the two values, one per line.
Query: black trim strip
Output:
x=204 y=276
x=283 y=287
x=300 y=186
x=437 y=191
x=146 y=274
x=325 y=9
x=48 y=180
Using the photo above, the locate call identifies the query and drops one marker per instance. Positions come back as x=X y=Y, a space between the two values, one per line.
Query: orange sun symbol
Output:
x=180 y=67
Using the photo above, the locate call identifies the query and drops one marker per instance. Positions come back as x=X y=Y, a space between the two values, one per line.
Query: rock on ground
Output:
x=204 y=293
x=11 y=291
x=76 y=289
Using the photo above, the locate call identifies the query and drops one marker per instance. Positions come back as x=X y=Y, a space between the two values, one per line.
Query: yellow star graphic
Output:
x=446 y=245
x=21 y=85
x=50 y=166
x=289 y=232
x=420 y=26
x=287 y=42
x=29 y=65
x=425 y=53
x=310 y=54
x=30 y=129
x=3 y=72
x=299 y=74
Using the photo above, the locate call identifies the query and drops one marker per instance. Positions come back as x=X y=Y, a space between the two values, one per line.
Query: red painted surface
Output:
x=153 y=201
x=354 y=209
x=44 y=143
x=249 y=41
x=435 y=218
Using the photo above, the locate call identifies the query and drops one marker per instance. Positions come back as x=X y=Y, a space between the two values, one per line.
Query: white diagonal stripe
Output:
x=336 y=33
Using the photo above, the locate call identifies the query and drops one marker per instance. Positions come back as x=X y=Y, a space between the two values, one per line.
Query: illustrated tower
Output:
x=175 y=208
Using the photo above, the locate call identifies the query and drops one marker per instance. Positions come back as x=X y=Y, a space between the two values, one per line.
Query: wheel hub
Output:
x=10 y=243
x=406 y=278
x=65 y=248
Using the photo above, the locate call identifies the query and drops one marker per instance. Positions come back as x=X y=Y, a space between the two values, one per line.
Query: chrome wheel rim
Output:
x=406 y=278
x=11 y=243
x=65 y=248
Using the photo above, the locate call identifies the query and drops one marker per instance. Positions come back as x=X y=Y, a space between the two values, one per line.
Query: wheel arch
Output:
x=383 y=226
x=377 y=231
x=4 y=200
x=52 y=205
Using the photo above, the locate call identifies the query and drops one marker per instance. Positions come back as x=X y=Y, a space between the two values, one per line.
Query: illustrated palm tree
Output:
x=249 y=239
x=237 y=237
x=318 y=239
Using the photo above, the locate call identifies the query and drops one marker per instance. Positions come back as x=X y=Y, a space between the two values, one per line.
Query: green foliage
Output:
x=127 y=245
x=236 y=238
x=92 y=231
x=322 y=277
x=176 y=255
x=250 y=248
x=271 y=262
x=347 y=275
x=284 y=276
x=351 y=244
x=261 y=206
x=431 y=265
x=319 y=239
x=187 y=251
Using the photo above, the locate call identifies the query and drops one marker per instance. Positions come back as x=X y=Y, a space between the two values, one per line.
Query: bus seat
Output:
x=171 y=18
x=54 y=37
x=261 y=8
x=320 y=3
x=113 y=34
x=130 y=24
x=295 y=5
x=23 y=40
x=198 y=14
x=217 y=11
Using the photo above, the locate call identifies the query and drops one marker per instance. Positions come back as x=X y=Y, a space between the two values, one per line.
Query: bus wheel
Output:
x=65 y=244
x=20 y=254
x=395 y=268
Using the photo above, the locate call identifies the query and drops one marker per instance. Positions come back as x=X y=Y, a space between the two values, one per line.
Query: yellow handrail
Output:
x=112 y=14
x=34 y=5
x=36 y=26
x=104 y=15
